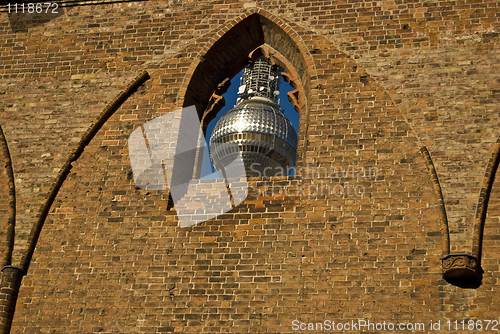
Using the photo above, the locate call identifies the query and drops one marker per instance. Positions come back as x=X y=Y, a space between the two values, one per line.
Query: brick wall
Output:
x=4 y=207
x=379 y=80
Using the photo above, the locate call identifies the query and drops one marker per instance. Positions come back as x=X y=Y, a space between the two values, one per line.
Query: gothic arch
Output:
x=484 y=198
x=254 y=33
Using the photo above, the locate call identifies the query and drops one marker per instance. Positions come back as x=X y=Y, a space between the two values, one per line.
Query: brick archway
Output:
x=229 y=51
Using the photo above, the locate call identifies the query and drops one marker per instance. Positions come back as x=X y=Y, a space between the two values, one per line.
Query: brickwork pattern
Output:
x=9 y=289
x=8 y=207
x=4 y=210
x=381 y=79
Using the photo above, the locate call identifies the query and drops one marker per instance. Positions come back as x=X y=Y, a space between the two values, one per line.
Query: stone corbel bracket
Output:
x=462 y=270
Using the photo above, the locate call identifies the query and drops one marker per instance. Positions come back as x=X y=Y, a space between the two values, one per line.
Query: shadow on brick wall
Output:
x=21 y=22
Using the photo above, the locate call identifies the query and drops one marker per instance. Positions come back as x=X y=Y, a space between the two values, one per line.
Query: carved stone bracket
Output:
x=462 y=270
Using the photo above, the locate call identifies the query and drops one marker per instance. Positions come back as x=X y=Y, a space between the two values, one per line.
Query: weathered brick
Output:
x=375 y=82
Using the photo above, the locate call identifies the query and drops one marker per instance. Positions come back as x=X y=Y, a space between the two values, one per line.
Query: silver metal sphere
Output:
x=256 y=127
x=265 y=137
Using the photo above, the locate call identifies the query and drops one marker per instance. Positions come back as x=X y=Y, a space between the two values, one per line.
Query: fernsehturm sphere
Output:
x=257 y=126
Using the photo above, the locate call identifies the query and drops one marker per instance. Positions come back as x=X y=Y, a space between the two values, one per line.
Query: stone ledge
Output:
x=462 y=270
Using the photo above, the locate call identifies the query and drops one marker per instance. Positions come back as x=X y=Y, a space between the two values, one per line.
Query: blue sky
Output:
x=230 y=96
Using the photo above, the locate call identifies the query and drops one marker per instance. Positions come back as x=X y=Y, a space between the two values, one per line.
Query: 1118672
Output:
x=33 y=8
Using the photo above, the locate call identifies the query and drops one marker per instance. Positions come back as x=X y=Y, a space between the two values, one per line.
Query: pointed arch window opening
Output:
x=257 y=35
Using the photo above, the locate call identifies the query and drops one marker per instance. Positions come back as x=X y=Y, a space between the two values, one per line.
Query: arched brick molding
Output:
x=8 y=242
x=439 y=196
x=63 y=173
x=488 y=243
x=484 y=197
x=12 y=275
